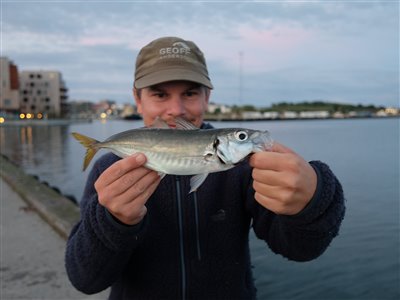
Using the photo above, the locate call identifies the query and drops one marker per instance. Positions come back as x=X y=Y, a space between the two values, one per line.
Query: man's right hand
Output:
x=124 y=188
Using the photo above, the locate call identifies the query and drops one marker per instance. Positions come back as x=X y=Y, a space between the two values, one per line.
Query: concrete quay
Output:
x=34 y=223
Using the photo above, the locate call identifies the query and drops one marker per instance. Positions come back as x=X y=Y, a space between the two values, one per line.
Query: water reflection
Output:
x=364 y=154
x=39 y=150
x=50 y=152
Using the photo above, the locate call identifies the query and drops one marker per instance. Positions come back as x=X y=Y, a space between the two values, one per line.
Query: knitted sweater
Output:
x=194 y=246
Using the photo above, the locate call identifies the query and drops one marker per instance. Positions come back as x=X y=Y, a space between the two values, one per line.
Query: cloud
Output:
x=289 y=50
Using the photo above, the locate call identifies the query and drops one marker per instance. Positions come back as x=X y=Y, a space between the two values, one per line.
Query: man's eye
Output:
x=191 y=93
x=159 y=95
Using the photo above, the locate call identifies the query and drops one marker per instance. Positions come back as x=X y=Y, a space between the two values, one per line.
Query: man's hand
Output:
x=284 y=182
x=125 y=187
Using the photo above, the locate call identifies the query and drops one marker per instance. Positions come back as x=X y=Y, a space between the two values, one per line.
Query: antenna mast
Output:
x=240 y=76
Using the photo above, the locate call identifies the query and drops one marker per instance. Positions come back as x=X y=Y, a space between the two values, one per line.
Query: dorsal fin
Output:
x=159 y=123
x=183 y=124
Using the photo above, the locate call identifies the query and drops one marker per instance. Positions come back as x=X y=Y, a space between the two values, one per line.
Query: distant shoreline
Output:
x=48 y=122
x=294 y=119
x=58 y=122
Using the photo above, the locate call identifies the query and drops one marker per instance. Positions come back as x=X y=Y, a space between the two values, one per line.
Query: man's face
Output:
x=173 y=99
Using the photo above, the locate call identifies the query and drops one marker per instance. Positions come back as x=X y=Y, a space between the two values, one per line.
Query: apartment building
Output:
x=43 y=92
x=9 y=89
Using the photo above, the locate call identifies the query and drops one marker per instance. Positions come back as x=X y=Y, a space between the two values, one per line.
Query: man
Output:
x=149 y=238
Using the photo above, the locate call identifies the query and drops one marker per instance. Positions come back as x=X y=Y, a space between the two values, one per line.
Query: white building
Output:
x=314 y=114
x=221 y=108
x=9 y=89
x=271 y=115
x=43 y=92
x=248 y=115
x=289 y=115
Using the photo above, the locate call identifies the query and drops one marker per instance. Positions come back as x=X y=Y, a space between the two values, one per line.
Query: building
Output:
x=81 y=109
x=289 y=115
x=271 y=115
x=43 y=93
x=9 y=91
x=323 y=114
x=249 y=115
x=214 y=108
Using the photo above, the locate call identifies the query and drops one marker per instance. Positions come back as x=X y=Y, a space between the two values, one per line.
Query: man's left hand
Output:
x=283 y=181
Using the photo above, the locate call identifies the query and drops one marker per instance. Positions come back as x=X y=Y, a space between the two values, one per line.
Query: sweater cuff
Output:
x=322 y=197
x=133 y=229
x=113 y=234
x=315 y=198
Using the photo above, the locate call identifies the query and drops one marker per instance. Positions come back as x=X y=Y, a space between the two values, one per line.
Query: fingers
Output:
x=122 y=167
x=272 y=177
x=125 y=187
x=283 y=181
x=275 y=205
x=280 y=158
x=279 y=148
x=134 y=182
x=129 y=207
x=138 y=205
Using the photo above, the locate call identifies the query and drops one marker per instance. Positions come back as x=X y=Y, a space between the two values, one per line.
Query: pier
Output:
x=35 y=222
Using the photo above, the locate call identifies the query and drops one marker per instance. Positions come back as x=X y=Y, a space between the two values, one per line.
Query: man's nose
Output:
x=176 y=106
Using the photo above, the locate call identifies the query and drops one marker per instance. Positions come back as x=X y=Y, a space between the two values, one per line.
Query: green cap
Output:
x=168 y=59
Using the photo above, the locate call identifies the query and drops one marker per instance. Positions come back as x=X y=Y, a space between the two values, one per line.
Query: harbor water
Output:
x=363 y=262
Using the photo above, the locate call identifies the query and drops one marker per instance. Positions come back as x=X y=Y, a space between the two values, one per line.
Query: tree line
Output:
x=309 y=106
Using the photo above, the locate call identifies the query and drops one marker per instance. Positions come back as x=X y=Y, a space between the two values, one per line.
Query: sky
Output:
x=257 y=52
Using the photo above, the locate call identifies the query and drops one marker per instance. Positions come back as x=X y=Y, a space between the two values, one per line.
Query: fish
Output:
x=185 y=150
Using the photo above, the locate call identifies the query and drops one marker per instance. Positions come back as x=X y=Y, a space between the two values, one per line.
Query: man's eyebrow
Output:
x=155 y=88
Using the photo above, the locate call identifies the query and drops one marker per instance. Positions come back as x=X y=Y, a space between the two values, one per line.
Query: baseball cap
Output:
x=168 y=59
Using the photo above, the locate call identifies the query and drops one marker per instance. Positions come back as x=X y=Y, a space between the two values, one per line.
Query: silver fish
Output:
x=190 y=151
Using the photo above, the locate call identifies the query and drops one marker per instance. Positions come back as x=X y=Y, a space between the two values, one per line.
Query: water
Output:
x=362 y=262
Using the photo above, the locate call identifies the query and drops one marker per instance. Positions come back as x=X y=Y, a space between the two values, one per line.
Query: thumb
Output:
x=279 y=148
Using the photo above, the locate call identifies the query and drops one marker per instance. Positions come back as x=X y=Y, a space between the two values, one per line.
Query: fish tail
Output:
x=90 y=145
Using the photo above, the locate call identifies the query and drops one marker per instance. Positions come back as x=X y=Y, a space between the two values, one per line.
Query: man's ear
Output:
x=138 y=100
x=208 y=94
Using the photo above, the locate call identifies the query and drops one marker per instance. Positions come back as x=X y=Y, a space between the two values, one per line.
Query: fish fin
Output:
x=90 y=145
x=159 y=123
x=196 y=181
x=183 y=124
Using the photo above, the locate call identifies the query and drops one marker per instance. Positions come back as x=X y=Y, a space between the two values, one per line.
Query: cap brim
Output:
x=172 y=75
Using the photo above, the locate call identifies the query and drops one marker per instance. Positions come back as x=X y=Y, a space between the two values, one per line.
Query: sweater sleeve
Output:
x=98 y=247
x=306 y=235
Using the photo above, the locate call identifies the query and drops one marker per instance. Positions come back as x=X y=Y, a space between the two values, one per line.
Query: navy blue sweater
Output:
x=194 y=246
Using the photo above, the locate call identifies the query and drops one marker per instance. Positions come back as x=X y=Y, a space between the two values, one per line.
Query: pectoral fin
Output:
x=183 y=124
x=159 y=123
x=196 y=181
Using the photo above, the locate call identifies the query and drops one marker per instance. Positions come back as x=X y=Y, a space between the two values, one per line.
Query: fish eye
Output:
x=241 y=135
